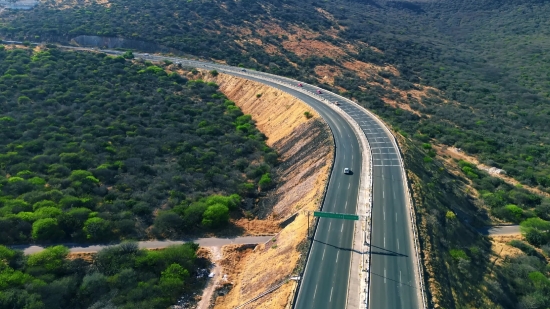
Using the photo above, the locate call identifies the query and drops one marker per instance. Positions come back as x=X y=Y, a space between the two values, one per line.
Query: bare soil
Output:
x=300 y=142
x=502 y=250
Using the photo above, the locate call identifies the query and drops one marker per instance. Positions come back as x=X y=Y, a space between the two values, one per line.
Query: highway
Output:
x=394 y=279
x=325 y=280
x=393 y=282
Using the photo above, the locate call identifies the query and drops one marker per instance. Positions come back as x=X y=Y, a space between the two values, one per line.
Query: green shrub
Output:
x=46 y=229
x=265 y=181
x=458 y=254
x=216 y=215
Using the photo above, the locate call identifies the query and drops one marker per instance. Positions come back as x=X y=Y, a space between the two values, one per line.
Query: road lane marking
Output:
x=384 y=215
x=383 y=194
x=384 y=241
x=395 y=217
x=337 y=255
x=315 y=291
x=384 y=275
x=324 y=254
x=399 y=278
x=342 y=229
x=397 y=243
x=331 y=294
x=349 y=185
x=346 y=205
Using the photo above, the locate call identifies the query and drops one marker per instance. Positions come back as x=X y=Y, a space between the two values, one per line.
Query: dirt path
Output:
x=153 y=244
x=501 y=230
x=211 y=286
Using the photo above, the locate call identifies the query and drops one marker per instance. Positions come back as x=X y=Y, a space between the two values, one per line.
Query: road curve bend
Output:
x=394 y=275
x=394 y=279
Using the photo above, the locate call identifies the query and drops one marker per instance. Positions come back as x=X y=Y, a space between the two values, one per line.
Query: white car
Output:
x=347 y=170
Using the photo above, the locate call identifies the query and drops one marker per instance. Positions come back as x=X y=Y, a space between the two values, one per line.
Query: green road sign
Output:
x=335 y=215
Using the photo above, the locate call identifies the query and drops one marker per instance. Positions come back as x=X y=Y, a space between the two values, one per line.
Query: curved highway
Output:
x=325 y=280
x=394 y=280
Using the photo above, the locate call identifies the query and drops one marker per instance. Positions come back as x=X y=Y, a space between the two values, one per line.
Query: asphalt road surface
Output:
x=325 y=279
x=501 y=230
x=154 y=244
x=393 y=283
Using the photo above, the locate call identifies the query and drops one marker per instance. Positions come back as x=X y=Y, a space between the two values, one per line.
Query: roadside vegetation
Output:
x=95 y=148
x=463 y=74
x=467 y=272
x=122 y=276
x=489 y=94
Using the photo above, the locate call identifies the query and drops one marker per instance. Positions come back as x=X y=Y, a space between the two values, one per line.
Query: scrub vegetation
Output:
x=470 y=75
x=95 y=148
x=123 y=276
x=462 y=267
x=473 y=75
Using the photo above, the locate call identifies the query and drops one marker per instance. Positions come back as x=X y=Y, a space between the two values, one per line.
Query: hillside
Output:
x=451 y=77
x=95 y=148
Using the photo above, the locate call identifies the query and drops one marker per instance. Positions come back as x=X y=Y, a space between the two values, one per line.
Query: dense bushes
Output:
x=507 y=202
x=102 y=143
x=123 y=276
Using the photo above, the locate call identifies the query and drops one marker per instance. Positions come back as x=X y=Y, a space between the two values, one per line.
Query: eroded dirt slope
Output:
x=305 y=149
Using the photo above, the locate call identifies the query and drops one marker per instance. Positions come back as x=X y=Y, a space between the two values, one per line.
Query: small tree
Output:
x=215 y=216
x=265 y=182
x=51 y=258
x=23 y=100
x=308 y=115
x=450 y=215
x=168 y=224
x=97 y=229
x=536 y=231
x=128 y=55
x=214 y=73
x=46 y=229
x=513 y=212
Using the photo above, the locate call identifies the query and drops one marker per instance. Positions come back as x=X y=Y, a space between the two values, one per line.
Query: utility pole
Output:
x=308 y=224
